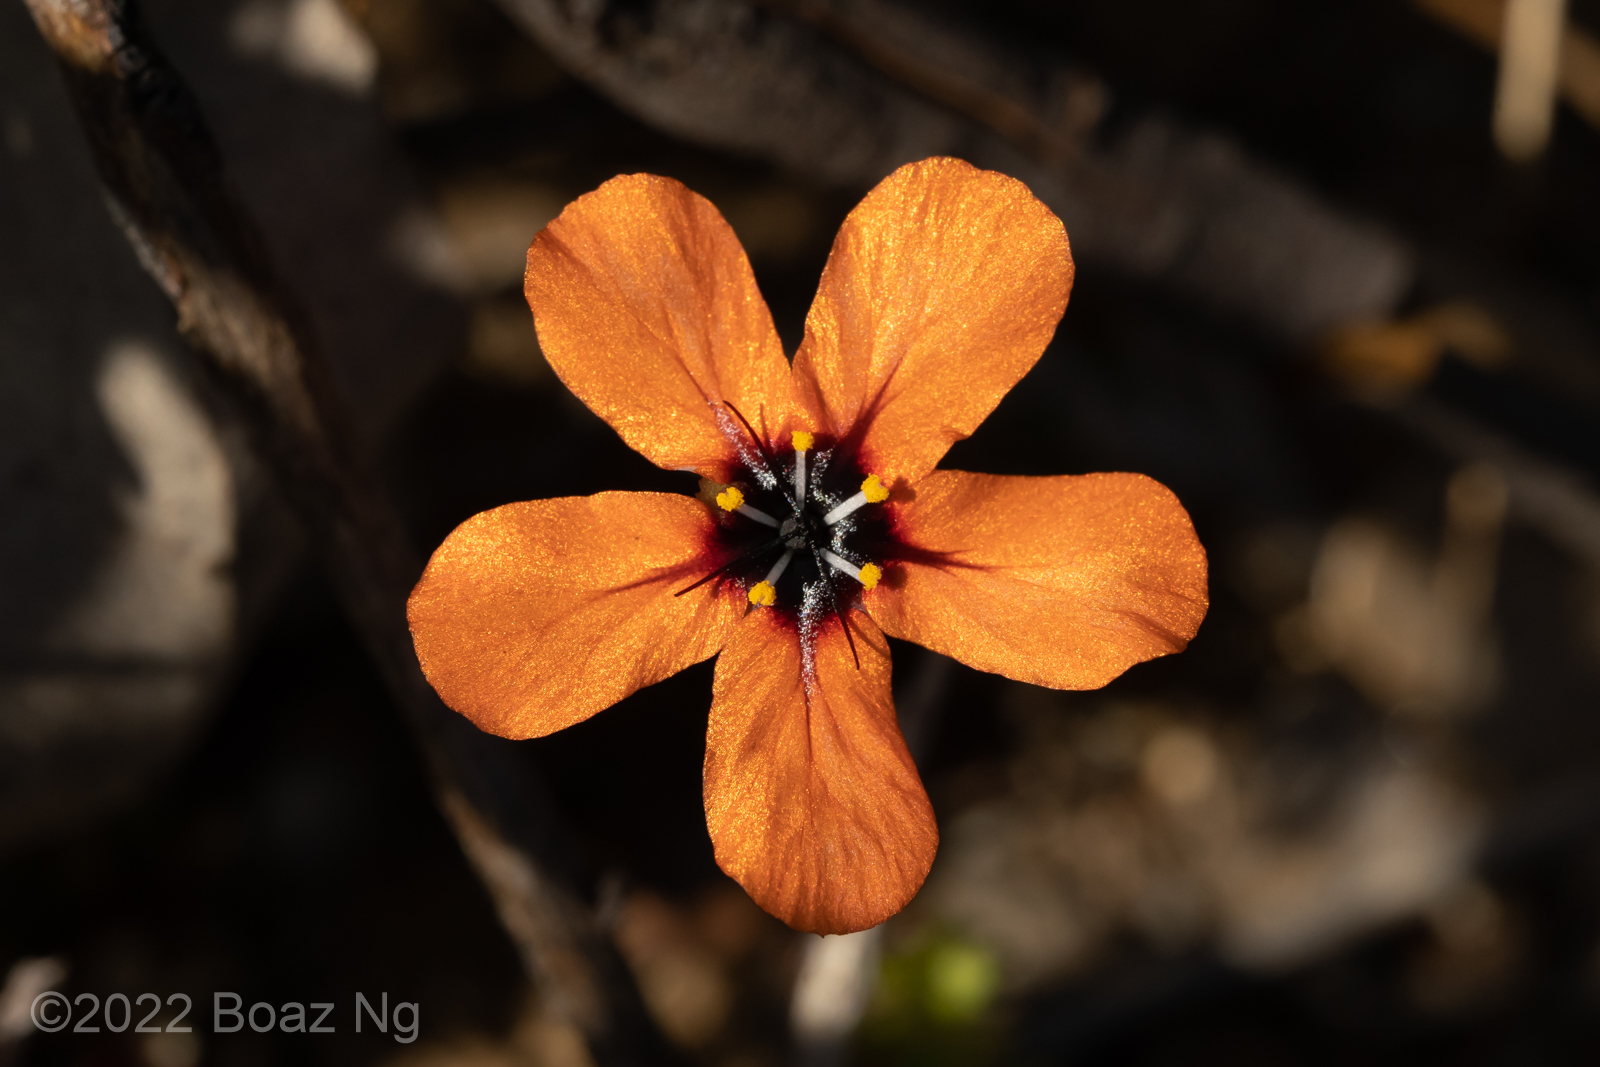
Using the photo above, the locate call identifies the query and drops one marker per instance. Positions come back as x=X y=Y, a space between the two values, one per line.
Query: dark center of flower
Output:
x=802 y=529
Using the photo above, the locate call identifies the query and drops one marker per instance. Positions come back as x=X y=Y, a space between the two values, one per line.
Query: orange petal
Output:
x=534 y=616
x=1064 y=582
x=646 y=307
x=812 y=800
x=943 y=288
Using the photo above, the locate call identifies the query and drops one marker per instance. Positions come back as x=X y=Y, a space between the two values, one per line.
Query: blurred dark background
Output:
x=1338 y=287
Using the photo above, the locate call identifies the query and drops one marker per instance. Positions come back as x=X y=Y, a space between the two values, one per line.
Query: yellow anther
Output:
x=730 y=498
x=802 y=441
x=762 y=594
x=870 y=575
x=873 y=490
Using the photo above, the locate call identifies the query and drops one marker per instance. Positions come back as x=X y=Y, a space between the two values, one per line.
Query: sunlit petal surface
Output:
x=534 y=616
x=1064 y=582
x=646 y=307
x=812 y=800
x=943 y=288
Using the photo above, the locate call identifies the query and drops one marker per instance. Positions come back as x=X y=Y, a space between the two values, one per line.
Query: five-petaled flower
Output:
x=821 y=525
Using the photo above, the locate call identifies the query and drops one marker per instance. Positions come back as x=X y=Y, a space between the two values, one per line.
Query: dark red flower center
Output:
x=801 y=534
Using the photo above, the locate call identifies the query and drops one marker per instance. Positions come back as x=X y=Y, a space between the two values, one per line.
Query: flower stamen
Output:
x=868 y=574
x=872 y=492
x=802 y=444
x=731 y=500
x=765 y=592
x=758 y=515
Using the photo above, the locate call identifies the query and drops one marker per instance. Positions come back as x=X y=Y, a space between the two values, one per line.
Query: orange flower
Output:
x=822 y=524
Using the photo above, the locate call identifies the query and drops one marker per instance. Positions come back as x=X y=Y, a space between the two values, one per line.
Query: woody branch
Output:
x=167 y=189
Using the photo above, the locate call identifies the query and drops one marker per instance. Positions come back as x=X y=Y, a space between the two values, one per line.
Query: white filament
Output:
x=847 y=508
x=841 y=564
x=778 y=568
x=757 y=514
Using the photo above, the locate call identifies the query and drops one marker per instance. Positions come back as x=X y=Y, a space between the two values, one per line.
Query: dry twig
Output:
x=846 y=90
x=167 y=189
